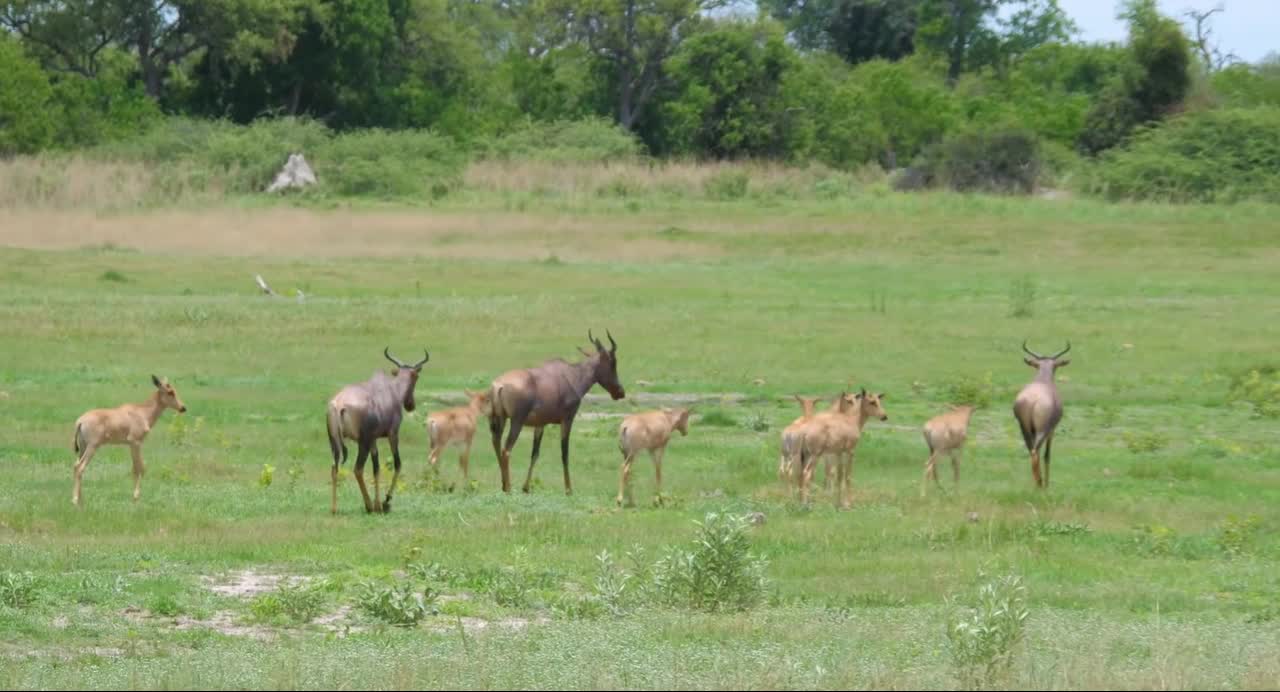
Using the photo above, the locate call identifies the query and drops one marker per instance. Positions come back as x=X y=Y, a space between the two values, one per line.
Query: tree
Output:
x=726 y=98
x=969 y=34
x=633 y=37
x=1210 y=53
x=26 y=125
x=856 y=30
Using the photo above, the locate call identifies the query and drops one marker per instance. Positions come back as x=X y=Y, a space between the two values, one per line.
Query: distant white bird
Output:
x=262 y=284
x=301 y=297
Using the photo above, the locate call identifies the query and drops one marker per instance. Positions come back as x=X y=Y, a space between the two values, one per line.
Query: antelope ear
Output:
x=156 y=381
x=1062 y=363
x=880 y=395
x=1031 y=362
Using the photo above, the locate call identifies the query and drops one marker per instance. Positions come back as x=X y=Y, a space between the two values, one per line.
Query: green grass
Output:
x=1150 y=562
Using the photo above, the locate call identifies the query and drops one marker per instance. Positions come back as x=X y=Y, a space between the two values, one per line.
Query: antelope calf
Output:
x=837 y=433
x=1038 y=408
x=791 y=436
x=647 y=431
x=127 y=424
x=945 y=434
x=457 y=426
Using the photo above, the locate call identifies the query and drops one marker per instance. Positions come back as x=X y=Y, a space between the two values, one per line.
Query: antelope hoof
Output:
x=525 y=490
x=386 y=506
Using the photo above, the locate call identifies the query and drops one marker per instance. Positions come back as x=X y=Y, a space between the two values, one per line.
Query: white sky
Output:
x=1248 y=28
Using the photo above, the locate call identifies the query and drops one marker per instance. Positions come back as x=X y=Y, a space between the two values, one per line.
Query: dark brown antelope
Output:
x=456 y=426
x=365 y=413
x=945 y=434
x=1038 y=408
x=650 y=431
x=127 y=424
x=549 y=394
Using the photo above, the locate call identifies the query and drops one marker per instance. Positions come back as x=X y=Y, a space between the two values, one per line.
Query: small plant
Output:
x=18 y=589
x=165 y=604
x=1154 y=540
x=295 y=472
x=718 y=418
x=401 y=604
x=196 y=316
x=757 y=421
x=113 y=276
x=1235 y=535
x=1059 y=528
x=510 y=587
x=611 y=585
x=1260 y=389
x=183 y=431
x=268 y=472
x=983 y=639
x=720 y=573
x=727 y=186
x=970 y=390
x=1022 y=298
x=297 y=602
x=1144 y=443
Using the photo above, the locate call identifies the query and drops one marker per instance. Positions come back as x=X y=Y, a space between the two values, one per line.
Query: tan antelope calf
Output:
x=127 y=424
x=790 y=448
x=647 y=431
x=837 y=433
x=457 y=426
x=945 y=434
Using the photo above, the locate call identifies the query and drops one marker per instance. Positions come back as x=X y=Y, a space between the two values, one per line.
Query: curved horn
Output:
x=613 y=345
x=1063 y=352
x=595 y=342
x=1033 y=354
x=387 y=352
x=419 y=364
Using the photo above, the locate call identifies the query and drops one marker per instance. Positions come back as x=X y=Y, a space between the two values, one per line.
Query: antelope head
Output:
x=607 y=366
x=409 y=371
x=1046 y=365
x=168 y=395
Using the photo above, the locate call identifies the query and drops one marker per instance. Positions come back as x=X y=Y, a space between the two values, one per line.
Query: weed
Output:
x=719 y=573
x=18 y=589
x=400 y=604
x=983 y=638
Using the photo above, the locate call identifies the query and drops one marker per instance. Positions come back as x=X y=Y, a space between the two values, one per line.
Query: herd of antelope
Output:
x=551 y=393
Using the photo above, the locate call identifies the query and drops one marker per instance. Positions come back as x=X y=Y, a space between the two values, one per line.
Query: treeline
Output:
x=971 y=94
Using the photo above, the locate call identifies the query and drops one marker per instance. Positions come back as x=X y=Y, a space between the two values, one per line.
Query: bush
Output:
x=297 y=602
x=1260 y=389
x=1212 y=156
x=720 y=573
x=1002 y=161
x=25 y=122
x=727 y=185
x=380 y=163
x=589 y=139
x=399 y=604
x=983 y=638
x=17 y=590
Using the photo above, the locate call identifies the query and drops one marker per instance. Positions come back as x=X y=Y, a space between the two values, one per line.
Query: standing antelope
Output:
x=366 y=412
x=1038 y=408
x=549 y=394
x=127 y=424
x=648 y=431
x=456 y=426
x=837 y=433
x=945 y=434
x=791 y=436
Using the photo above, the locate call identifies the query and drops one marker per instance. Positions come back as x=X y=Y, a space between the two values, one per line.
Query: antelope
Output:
x=837 y=433
x=648 y=431
x=126 y=424
x=945 y=434
x=456 y=426
x=1038 y=408
x=366 y=412
x=791 y=436
x=549 y=394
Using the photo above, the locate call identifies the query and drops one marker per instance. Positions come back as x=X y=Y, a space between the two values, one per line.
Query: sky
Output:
x=1248 y=28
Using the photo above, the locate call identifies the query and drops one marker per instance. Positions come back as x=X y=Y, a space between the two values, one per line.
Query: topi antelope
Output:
x=549 y=394
x=647 y=431
x=456 y=426
x=1038 y=408
x=837 y=433
x=366 y=412
x=945 y=434
x=127 y=424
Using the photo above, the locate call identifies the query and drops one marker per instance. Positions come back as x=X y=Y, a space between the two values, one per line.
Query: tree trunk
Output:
x=146 y=58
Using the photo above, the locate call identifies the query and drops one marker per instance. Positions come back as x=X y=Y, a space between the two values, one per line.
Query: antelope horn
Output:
x=613 y=345
x=419 y=364
x=1063 y=352
x=1033 y=354
x=595 y=342
x=387 y=352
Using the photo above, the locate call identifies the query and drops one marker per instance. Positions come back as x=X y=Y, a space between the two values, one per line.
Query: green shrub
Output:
x=727 y=185
x=381 y=163
x=18 y=589
x=399 y=604
x=983 y=638
x=296 y=602
x=1219 y=155
x=589 y=139
x=1260 y=390
x=719 y=573
x=1001 y=161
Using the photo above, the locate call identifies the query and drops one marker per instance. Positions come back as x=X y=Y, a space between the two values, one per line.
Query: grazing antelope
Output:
x=366 y=412
x=456 y=426
x=127 y=424
x=1038 y=408
x=648 y=431
x=837 y=433
x=945 y=434
x=549 y=394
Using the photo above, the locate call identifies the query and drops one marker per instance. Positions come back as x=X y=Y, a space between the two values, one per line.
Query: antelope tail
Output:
x=77 y=440
x=334 y=425
x=431 y=432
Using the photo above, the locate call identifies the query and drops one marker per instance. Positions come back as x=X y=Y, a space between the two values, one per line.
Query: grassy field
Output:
x=1151 y=562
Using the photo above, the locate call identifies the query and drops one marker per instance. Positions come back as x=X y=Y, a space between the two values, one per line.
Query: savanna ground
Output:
x=1151 y=562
